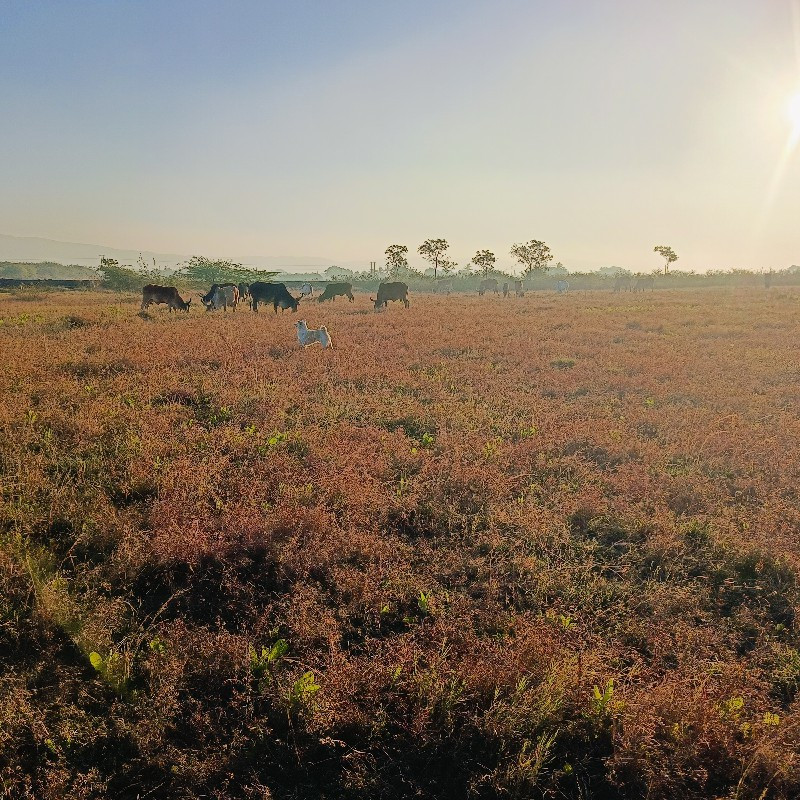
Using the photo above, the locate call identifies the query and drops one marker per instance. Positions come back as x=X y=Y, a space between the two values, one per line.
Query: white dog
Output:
x=307 y=336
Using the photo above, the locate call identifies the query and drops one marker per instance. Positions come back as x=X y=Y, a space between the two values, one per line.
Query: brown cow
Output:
x=153 y=293
x=391 y=291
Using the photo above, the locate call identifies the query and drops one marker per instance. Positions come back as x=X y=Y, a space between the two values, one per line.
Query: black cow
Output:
x=275 y=293
x=153 y=293
x=244 y=290
x=391 y=291
x=489 y=284
x=333 y=290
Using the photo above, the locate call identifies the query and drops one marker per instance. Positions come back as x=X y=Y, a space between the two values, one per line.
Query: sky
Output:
x=334 y=128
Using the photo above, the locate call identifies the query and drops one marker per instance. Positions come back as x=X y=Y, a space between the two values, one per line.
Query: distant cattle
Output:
x=391 y=291
x=153 y=293
x=488 y=285
x=562 y=286
x=220 y=296
x=443 y=287
x=505 y=289
x=306 y=290
x=275 y=293
x=244 y=291
x=645 y=282
x=333 y=290
x=622 y=283
x=519 y=288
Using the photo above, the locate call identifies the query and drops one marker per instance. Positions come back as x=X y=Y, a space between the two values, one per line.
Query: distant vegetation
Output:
x=197 y=273
x=200 y=272
x=44 y=270
x=534 y=258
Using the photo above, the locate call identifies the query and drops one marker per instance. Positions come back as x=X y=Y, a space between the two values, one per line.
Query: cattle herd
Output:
x=225 y=295
x=229 y=295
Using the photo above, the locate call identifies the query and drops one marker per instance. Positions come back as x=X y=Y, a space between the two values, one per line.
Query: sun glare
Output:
x=793 y=112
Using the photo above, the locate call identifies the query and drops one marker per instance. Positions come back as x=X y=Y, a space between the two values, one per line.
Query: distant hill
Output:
x=34 y=249
x=45 y=269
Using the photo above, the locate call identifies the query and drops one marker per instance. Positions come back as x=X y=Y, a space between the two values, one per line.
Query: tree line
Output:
x=534 y=257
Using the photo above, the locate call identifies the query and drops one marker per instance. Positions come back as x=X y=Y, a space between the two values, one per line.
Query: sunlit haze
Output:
x=602 y=127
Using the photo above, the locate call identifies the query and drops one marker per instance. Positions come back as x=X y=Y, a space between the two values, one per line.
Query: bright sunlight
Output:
x=793 y=112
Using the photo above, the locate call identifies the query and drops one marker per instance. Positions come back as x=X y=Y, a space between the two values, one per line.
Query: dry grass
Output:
x=543 y=547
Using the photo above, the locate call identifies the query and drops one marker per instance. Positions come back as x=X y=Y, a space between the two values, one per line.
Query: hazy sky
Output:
x=603 y=127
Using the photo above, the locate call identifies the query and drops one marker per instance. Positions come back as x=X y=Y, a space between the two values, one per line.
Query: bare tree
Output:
x=668 y=254
x=434 y=251
x=484 y=260
x=534 y=256
x=396 y=261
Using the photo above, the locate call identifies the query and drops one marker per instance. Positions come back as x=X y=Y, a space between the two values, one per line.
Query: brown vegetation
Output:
x=541 y=547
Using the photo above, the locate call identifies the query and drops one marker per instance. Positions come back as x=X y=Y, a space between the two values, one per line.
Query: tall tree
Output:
x=534 y=256
x=668 y=254
x=484 y=260
x=434 y=251
x=396 y=261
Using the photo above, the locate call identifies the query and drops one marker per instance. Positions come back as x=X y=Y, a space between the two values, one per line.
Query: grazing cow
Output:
x=505 y=289
x=622 y=283
x=308 y=336
x=645 y=282
x=220 y=296
x=333 y=290
x=275 y=293
x=562 y=286
x=306 y=290
x=519 y=288
x=244 y=291
x=488 y=284
x=153 y=293
x=391 y=291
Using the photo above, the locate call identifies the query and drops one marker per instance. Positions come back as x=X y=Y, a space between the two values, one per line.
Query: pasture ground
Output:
x=537 y=547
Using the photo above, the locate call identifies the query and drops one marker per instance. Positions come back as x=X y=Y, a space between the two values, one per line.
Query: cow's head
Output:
x=186 y=305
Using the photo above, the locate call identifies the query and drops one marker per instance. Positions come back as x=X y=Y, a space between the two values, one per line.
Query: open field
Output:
x=540 y=547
